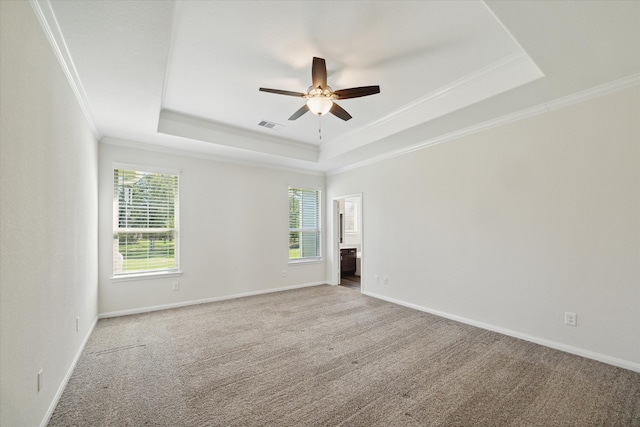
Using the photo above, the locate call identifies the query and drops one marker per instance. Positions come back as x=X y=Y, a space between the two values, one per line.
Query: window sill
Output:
x=305 y=261
x=145 y=276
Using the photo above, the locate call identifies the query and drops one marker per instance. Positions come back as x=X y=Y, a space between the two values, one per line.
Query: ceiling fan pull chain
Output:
x=320 y=127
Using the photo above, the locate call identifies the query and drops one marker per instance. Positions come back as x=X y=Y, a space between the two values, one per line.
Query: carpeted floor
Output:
x=329 y=356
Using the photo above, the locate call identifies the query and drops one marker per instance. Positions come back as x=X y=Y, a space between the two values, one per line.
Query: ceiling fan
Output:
x=320 y=97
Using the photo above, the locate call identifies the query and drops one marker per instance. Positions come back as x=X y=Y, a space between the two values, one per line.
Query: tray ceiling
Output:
x=184 y=75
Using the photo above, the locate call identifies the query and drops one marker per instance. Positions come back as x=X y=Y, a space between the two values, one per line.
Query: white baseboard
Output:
x=202 y=301
x=632 y=366
x=72 y=367
x=621 y=363
x=67 y=377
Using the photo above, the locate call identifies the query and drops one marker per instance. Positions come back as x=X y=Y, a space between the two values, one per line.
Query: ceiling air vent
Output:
x=270 y=125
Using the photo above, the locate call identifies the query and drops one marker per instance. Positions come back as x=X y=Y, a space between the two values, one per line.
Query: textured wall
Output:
x=514 y=226
x=49 y=213
x=233 y=228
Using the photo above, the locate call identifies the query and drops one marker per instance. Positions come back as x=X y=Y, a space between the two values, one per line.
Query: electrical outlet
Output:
x=571 y=318
x=78 y=324
x=385 y=280
x=40 y=379
x=376 y=278
x=284 y=273
x=176 y=286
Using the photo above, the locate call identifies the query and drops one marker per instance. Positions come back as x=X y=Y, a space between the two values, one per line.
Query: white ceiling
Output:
x=185 y=74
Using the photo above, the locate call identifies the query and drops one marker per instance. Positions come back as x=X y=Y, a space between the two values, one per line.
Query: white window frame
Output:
x=311 y=259
x=354 y=215
x=176 y=271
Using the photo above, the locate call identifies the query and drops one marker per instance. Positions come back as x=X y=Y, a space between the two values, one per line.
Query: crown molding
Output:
x=197 y=128
x=136 y=145
x=500 y=76
x=594 y=92
x=565 y=101
x=463 y=84
x=49 y=23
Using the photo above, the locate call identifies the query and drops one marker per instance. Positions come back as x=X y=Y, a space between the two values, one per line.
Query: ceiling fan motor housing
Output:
x=320 y=96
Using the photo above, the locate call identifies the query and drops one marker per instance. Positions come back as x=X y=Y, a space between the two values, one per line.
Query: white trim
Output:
x=320 y=229
x=203 y=301
x=348 y=196
x=506 y=30
x=47 y=18
x=498 y=77
x=594 y=92
x=67 y=377
x=236 y=131
x=335 y=273
x=143 y=168
x=610 y=360
x=196 y=128
x=462 y=83
x=145 y=276
x=601 y=90
x=155 y=274
x=137 y=145
x=307 y=187
x=334 y=276
x=305 y=261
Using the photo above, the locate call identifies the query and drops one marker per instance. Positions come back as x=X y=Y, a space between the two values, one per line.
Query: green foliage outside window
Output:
x=304 y=223
x=145 y=235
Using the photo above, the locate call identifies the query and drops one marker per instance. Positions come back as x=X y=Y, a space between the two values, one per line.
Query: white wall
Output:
x=233 y=227
x=514 y=226
x=49 y=215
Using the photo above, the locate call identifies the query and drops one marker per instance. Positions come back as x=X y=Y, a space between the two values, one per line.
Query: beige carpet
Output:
x=328 y=356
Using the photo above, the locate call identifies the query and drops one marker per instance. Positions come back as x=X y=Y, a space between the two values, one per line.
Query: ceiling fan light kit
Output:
x=319 y=105
x=320 y=97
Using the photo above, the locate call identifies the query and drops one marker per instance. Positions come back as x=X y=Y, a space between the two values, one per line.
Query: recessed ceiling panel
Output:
x=184 y=75
x=222 y=52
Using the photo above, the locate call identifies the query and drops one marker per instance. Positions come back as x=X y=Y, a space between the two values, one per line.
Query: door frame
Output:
x=335 y=273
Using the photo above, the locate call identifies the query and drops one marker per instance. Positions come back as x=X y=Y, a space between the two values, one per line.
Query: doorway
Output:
x=348 y=240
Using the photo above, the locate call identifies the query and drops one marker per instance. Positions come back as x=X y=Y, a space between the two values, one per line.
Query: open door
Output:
x=335 y=279
x=348 y=241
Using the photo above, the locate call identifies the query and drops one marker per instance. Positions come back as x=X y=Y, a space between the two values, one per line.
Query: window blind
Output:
x=304 y=224
x=145 y=216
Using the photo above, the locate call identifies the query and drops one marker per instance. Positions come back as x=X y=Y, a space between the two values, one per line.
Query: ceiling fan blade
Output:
x=319 y=73
x=339 y=112
x=300 y=112
x=283 y=92
x=357 y=92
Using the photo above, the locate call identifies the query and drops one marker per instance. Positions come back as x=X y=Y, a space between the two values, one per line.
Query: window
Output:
x=145 y=222
x=304 y=224
x=350 y=217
